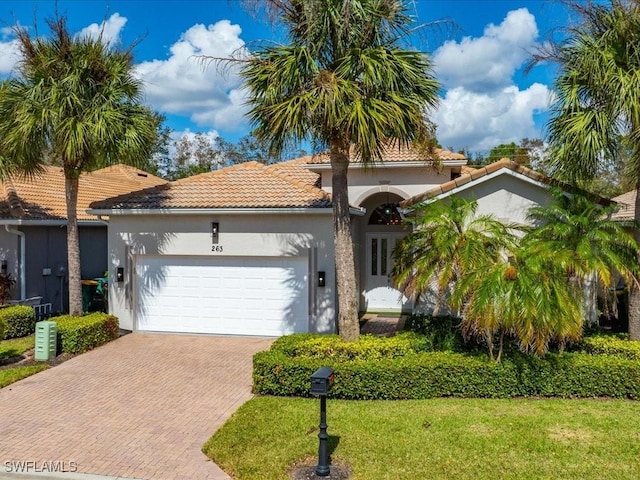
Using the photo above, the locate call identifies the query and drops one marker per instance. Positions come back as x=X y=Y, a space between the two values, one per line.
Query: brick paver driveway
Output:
x=139 y=407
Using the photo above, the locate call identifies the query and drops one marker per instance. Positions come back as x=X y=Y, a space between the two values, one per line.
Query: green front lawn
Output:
x=12 y=349
x=436 y=439
x=10 y=375
x=15 y=346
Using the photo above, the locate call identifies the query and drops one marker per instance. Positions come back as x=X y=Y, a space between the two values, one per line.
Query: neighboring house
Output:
x=33 y=242
x=627 y=209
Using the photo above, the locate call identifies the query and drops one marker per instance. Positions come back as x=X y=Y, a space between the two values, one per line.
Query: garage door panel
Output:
x=224 y=295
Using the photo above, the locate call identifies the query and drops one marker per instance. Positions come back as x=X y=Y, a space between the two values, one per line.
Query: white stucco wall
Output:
x=240 y=235
x=506 y=197
x=403 y=181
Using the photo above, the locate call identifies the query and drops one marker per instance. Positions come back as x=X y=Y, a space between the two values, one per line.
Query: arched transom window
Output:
x=386 y=214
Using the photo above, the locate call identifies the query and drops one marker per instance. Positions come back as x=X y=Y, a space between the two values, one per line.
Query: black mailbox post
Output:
x=321 y=382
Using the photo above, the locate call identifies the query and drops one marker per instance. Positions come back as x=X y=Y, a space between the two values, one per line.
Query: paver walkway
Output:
x=140 y=407
x=383 y=325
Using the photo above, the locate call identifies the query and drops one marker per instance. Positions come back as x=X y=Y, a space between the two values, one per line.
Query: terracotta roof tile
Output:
x=626 y=206
x=247 y=185
x=476 y=174
x=394 y=153
x=42 y=197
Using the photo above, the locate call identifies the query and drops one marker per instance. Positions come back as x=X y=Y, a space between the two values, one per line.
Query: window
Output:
x=386 y=214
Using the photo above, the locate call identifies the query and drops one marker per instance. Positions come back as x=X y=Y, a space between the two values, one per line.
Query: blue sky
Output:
x=479 y=49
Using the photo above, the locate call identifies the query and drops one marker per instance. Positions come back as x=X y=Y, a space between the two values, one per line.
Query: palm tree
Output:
x=580 y=237
x=74 y=102
x=344 y=82
x=524 y=296
x=448 y=241
x=596 y=114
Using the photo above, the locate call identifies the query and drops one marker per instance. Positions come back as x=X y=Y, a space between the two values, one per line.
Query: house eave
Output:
x=485 y=178
x=358 y=211
x=219 y=211
x=419 y=164
x=48 y=223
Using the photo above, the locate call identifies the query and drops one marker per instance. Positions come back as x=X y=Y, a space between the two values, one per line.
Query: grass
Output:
x=436 y=439
x=16 y=346
x=10 y=375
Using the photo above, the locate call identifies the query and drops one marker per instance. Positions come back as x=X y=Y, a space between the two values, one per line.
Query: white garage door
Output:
x=223 y=295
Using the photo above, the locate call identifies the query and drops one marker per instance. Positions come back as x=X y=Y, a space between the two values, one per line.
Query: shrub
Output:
x=618 y=345
x=19 y=320
x=79 y=334
x=369 y=347
x=442 y=332
x=447 y=374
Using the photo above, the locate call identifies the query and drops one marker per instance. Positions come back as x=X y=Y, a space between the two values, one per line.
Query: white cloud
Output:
x=483 y=107
x=182 y=84
x=9 y=56
x=491 y=60
x=480 y=121
x=109 y=29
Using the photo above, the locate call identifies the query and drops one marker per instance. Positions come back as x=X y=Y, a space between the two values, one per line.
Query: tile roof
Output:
x=394 y=153
x=295 y=169
x=626 y=206
x=475 y=174
x=42 y=197
x=246 y=185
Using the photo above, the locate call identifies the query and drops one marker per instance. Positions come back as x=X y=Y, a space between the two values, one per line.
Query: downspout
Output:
x=23 y=279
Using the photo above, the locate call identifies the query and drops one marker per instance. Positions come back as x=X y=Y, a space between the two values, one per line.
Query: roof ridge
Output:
x=298 y=183
x=16 y=208
x=199 y=176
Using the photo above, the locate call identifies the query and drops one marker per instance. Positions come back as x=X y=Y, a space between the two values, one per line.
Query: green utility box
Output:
x=46 y=341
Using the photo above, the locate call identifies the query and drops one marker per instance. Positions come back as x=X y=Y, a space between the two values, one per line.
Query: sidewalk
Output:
x=53 y=476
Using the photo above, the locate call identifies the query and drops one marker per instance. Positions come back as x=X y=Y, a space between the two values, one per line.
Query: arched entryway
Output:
x=376 y=235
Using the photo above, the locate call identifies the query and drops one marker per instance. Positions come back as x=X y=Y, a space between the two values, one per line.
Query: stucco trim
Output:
x=50 y=223
x=221 y=211
x=469 y=183
x=358 y=165
x=381 y=189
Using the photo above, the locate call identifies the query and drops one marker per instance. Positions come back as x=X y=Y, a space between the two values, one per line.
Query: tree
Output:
x=448 y=240
x=524 y=296
x=579 y=235
x=596 y=114
x=73 y=100
x=512 y=151
x=345 y=83
x=531 y=289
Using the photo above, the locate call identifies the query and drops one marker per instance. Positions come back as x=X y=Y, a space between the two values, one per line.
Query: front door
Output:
x=379 y=294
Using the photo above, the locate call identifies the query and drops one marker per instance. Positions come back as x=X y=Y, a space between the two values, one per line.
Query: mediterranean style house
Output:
x=248 y=249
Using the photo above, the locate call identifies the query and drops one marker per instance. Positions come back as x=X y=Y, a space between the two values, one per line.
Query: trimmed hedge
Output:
x=618 y=345
x=446 y=374
x=19 y=320
x=369 y=347
x=79 y=334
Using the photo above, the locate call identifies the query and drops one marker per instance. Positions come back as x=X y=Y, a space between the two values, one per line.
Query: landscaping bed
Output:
x=415 y=366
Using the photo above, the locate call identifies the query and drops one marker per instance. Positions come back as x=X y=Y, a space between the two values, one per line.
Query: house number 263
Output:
x=216 y=248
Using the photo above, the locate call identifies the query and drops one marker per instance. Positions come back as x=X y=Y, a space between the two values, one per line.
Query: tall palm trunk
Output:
x=73 y=245
x=345 y=267
x=634 y=291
